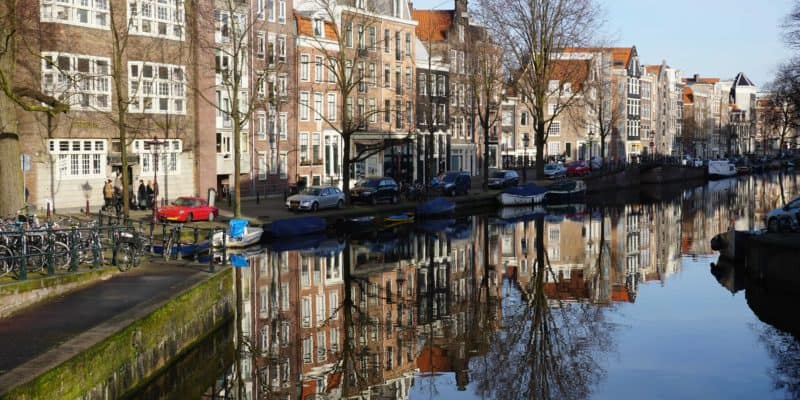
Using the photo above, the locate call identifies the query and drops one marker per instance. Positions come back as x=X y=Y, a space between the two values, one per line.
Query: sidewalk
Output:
x=35 y=331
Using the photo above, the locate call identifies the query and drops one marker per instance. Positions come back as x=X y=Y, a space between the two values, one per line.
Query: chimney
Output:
x=696 y=77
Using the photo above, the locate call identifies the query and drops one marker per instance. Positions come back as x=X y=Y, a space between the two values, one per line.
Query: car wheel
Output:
x=189 y=218
x=211 y=217
x=773 y=225
x=314 y=207
x=340 y=204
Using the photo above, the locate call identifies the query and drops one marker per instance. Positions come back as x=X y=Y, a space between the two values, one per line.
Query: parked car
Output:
x=597 y=162
x=503 y=179
x=375 y=189
x=453 y=183
x=554 y=171
x=784 y=218
x=188 y=209
x=316 y=197
x=578 y=168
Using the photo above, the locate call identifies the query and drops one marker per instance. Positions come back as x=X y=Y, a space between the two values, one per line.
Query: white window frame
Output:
x=554 y=129
x=305 y=74
x=75 y=156
x=169 y=160
x=331 y=104
x=174 y=94
x=303 y=105
x=261 y=116
x=147 y=17
x=68 y=12
x=90 y=90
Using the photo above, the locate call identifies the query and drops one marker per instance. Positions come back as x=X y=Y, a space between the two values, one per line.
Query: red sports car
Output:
x=188 y=209
x=578 y=168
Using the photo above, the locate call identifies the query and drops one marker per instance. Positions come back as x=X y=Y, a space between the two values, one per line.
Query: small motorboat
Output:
x=565 y=190
x=522 y=195
x=719 y=169
x=356 y=224
x=396 y=219
x=239 y=235
x=436 y=207
x=295 y=227
x=520 y=214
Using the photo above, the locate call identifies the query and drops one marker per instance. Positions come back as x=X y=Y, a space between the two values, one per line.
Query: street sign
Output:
x=25 y=161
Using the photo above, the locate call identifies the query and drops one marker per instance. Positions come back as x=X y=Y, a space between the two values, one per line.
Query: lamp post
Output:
x=525 y=142
x=155 y=145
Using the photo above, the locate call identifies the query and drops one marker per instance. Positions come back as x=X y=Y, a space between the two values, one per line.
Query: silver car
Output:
x=316 y=197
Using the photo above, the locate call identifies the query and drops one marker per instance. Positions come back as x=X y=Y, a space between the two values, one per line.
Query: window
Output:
x=303 y=105
x=331 y=70
x=373 y=77
x=373 y=38
x=93 y=14
x=633 y=107
x=168 y=160
x=422 y=85
x=387 y=114
x=508 y=118
x=373 y=111
x=331 y=107
x=283 y=160
x=281 y=11
x=262 y=125
x=261 y=45
x=554 y=129
x=387 y=72
x=348 y=35
x=282 y=48
x=552 y=85
x=79 y=159
x=262 y=165
x=316 y=156
x=319 y=111
x=408 y=112
x=304 y=73
x=632 y=128
x=318 y=69
x=633 y=86
x=523 y=118
x=361 y=43
x=552 y=108
x=155 y=18
x=283 y=125
x=408 y=78
x=387 y=38
x=82 y=81
x=270 y=10
x=553 y=148
x=282 y=82
x=303 y=155
x=156 y=88
x=408 y=44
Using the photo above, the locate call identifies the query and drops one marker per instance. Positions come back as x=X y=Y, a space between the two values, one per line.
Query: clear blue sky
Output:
x=714 y=38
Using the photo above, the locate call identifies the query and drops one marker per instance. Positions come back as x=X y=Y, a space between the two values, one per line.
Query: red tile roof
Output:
x=576 y=72
x=620 y=55
x=433 y=24
x=688 y=95
x=305 y=28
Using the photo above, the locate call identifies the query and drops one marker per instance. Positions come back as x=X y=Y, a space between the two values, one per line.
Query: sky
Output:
x=712 y=38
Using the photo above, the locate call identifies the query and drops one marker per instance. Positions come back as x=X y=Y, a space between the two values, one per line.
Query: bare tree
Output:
x=534 y=35
x=345 y=45
x=780 y=115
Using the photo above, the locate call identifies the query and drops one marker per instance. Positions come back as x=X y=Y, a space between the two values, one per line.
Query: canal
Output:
x=614 y=299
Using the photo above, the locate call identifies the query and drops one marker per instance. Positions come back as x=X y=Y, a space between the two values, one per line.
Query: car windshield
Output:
x=312 y=191
x=574 y=164
x=182 y=201
x=450 y=177
x=371 y=183
x=550 y=166
x=499 y=174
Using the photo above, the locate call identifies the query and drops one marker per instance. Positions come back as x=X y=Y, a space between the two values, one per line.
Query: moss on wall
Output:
x=129 y=357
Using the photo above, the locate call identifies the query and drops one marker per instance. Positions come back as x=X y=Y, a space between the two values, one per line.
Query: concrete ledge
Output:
x=16 y=296
x=111 y=359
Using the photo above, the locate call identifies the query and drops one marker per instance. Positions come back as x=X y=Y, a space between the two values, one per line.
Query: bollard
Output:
x=87 y=206
x=211 y=250
x=194 y=243
x=23 y=261
x=73 y=249
x=48 y=211
x=224 y=249
x=50 y=248
x=230 y=199
x=152 y=228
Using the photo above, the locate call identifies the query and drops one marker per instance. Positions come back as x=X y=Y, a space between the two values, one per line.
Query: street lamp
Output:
x=525 y=142
x=155 y=145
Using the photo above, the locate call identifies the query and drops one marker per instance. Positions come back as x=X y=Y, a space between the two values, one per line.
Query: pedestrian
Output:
x=108 y=194
x=142 y=195
x=150 y=194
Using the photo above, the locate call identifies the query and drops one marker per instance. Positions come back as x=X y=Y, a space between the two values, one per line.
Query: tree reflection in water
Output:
x=549 y=345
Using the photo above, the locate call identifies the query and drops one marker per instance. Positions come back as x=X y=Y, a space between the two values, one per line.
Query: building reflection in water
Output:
x=509 y=309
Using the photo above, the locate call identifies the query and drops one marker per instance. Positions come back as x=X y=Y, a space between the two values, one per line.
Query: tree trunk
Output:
x=237 y=161
x=539 y=149
x=603 y=149
x=429 y=167
x=485 y=166
x=11 y=197
x=346 y=167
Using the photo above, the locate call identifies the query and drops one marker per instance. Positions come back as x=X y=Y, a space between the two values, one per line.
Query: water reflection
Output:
x=499 y=306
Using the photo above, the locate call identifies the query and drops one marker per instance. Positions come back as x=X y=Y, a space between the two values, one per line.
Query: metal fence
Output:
x=53 y=248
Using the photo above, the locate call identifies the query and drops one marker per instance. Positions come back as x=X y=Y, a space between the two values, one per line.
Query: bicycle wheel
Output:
x=168 y=247
x=36 y=259
x=7 y=261
x=61 y=256
x=125 y=257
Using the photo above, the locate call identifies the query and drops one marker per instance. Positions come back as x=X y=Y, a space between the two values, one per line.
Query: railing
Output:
x=53 y=248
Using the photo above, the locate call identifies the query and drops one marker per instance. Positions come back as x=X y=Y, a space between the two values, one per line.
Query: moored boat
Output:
x=522 y=195
x=295 y=227
x=239 y=235
x=403 y=218
x=565 y=190
x=718 y=169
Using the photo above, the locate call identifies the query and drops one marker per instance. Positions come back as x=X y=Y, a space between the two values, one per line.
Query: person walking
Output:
x=150 y=194
x=108 y=194
x=142 y=195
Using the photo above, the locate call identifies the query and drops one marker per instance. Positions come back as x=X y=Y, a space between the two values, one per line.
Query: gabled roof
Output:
x=305 y=27
x=433 y=24
x=696 y=79
x=620 y=56
x=576 y=72
x=653 y=69
x=742 y=80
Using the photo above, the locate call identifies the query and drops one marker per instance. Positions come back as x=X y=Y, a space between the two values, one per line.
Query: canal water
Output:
x=614 y=299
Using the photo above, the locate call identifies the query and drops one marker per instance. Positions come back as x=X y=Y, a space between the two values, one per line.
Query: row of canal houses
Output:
x=169 y=74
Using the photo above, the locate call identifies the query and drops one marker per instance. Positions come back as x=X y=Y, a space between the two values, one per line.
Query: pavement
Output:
x=32 y=333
